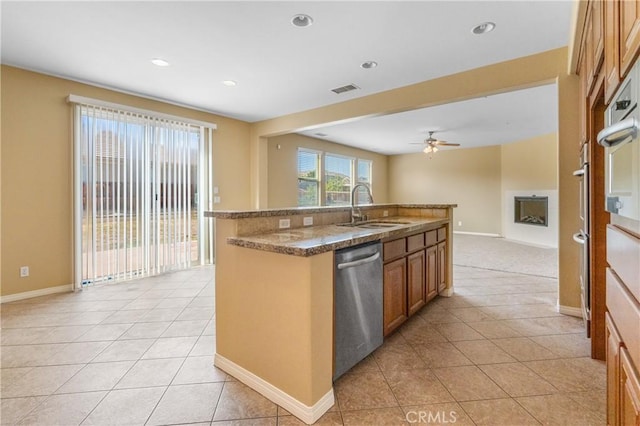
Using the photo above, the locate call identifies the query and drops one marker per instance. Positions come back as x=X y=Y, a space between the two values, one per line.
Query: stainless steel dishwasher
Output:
x=358 y=304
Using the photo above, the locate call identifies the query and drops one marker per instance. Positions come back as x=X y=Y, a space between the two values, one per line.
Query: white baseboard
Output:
x=447 y=292
x=35 y=293
x=307 y=414
x=481 y=234
x=570 y=310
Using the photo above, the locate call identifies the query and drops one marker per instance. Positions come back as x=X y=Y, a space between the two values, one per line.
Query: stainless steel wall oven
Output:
x=622 y=150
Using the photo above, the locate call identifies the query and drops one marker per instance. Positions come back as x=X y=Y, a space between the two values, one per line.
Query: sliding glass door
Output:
x=142 y=184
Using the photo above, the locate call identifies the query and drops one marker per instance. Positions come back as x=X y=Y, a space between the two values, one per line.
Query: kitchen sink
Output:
x=375 y=224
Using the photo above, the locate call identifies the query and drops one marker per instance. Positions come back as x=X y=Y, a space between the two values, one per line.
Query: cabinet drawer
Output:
x=625 y=312
x=623 y=252
x=415 y=242
x=393 y=249
x=431 y=238
x=442 y=234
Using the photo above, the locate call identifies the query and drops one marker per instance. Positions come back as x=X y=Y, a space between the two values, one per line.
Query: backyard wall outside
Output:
x=37 y=172
x=283 y=167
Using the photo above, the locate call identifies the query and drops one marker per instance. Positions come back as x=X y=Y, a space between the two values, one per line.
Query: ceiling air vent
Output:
x=343 y=89
x=322 y=135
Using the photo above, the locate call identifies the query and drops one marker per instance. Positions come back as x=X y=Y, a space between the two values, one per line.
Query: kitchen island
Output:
x=275 y=289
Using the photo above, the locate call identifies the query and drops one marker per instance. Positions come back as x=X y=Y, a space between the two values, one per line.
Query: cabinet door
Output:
x=416 y=281
x=611 y=49
x=395 y=294
x=597 y=28
x=442 y=266
x=613 y=371
x=629 y=391
x=432 y=272
x=584 y=100
x=629 y=33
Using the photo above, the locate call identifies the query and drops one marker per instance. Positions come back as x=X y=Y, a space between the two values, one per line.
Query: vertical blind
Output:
x=142 y=182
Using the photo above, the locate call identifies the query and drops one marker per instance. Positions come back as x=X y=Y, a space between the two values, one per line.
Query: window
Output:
x=364 y=176
x=308 y=178
x=338 y=175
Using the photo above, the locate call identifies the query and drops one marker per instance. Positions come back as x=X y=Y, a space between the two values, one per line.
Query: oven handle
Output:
x=617 y=133
x=578 y=237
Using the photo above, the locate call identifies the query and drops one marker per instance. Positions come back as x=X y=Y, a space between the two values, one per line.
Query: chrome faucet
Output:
x=356 y=214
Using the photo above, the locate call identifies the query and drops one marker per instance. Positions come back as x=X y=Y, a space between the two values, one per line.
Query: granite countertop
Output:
x=309 y=241
x=243 y=214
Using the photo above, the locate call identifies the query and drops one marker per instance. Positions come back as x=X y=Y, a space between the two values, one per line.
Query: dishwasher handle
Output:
x=359 y=261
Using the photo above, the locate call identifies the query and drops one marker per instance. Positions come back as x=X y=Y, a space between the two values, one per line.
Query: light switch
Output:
x=216 y=200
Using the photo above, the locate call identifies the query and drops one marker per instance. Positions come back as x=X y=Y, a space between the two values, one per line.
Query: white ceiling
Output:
x=283 y=69
x=491 y=120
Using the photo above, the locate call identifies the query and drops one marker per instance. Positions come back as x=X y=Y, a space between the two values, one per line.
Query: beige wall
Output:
x=531 y=164
x=283 y=166
x=534 y=70
x=475 y=178
x=469 y=177
x=37 y=172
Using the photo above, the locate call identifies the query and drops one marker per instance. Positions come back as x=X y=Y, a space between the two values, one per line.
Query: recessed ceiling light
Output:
x=302 y=20
x=159 y=62
x=485 y=27
x=368 y=65
x=230 y=83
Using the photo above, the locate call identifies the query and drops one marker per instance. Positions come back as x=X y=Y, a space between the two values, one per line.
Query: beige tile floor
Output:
x=140 y=352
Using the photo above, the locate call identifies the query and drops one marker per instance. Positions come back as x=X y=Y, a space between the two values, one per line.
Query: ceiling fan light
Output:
x=435 y=149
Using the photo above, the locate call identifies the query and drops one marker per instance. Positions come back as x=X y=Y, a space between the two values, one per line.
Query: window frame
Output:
x=352 y=170
x=321 y=179
x=319 y=173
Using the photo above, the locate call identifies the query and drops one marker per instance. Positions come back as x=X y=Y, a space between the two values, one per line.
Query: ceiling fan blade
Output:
x=448 y=144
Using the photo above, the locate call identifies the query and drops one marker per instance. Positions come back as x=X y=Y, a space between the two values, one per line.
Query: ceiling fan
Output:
x=432 y=143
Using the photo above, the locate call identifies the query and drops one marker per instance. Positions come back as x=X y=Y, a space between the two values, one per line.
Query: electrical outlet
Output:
x=24 y=271
x=216 y=200
x=385 y=213
x=459 y=223
x=284 y=223
x=307 y=221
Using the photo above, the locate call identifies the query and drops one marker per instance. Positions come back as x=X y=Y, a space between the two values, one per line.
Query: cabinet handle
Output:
x=578 y=238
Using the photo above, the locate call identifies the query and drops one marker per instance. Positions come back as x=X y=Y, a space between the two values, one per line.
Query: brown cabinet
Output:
x=416 y=274
x=432 y=272
x=623 y=381
x=629 y=391
x=593 y=46
x=611 y=49
x=442 y=266
x=613 y=373
x=623 y=328
x=629 y=32
x=394 y=295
